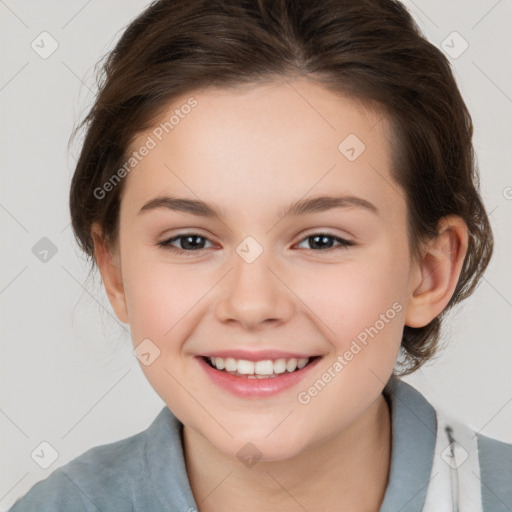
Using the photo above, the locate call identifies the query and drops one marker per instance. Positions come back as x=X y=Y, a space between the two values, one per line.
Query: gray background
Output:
x=67 y=371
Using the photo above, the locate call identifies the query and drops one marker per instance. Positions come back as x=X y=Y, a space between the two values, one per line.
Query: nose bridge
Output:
x=254 y=294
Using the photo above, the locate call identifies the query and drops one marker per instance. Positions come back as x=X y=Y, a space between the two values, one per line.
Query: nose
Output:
x=255 y=295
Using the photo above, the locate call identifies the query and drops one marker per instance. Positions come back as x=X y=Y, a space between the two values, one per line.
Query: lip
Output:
x=255 y=388
x=261 y=355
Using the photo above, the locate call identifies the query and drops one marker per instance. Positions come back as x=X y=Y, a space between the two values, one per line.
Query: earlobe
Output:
x=110 y=269
x=435 y=277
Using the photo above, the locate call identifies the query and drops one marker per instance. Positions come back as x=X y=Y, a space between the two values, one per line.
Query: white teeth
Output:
x=229 y=364
x=301 y=363
x=291 y=364
x=264 y=368
x=258 y=369
x=245 y=367
x=280 y=366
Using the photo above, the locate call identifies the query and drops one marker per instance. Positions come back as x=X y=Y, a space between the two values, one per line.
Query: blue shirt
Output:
x=146 y=472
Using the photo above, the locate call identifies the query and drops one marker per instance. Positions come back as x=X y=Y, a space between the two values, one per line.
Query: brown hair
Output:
x=370 y=50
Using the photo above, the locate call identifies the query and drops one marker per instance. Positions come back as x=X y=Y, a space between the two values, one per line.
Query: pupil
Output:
x=187 y=244
x=323 y=239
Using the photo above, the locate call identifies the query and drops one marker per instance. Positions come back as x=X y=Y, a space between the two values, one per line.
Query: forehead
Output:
x=255 y=145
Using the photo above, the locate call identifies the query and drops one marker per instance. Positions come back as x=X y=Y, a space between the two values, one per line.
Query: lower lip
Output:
x=259 y=388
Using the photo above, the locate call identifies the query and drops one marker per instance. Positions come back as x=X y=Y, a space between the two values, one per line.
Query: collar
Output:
x=413 y=439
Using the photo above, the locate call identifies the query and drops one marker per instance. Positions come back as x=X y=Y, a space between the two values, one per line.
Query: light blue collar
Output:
x=413 y=433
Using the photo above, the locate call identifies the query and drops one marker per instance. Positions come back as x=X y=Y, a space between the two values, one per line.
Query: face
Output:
x=329 y=281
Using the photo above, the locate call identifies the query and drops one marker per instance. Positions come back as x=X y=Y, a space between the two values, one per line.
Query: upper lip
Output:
x=257 y=356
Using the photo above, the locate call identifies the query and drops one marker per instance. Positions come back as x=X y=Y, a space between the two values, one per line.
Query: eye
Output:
x=319 y=241
x=190 y=242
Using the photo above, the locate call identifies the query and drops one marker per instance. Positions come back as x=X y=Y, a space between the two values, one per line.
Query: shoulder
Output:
x=495 y=459
x=488 y=459
x=495 y=455
x=477 y=458
x=102 y=478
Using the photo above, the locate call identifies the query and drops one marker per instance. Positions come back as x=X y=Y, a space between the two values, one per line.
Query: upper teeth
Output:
x=265 y=367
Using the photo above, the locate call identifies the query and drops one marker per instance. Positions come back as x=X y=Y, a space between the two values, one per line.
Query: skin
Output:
x=251 y=152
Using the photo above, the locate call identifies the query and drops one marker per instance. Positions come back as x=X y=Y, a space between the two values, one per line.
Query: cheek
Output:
x=163 y=302
x=361 y=307
x=348 y=298
x=160 y=296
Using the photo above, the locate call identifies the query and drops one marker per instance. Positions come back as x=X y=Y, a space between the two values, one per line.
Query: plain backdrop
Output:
x=68 y=375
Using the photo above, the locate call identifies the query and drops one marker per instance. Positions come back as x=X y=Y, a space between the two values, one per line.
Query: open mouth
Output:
x=266 y=369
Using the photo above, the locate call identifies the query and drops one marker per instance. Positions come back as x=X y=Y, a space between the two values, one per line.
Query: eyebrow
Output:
x=300 y=207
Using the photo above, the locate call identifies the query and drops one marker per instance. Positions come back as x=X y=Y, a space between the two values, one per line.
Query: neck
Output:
x=348 y=471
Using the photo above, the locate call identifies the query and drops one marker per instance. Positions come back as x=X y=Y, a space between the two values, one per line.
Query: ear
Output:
x=436 y=275
x=110 y=269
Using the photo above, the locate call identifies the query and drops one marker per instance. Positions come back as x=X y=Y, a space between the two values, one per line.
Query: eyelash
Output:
x=166 y=244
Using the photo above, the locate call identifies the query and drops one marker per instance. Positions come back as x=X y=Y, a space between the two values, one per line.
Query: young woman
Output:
x=281 y=199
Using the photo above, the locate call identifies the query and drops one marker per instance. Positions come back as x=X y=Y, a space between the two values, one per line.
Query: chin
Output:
x=258 y=445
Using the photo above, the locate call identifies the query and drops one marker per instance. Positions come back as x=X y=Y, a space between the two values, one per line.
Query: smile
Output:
x=256 y=379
